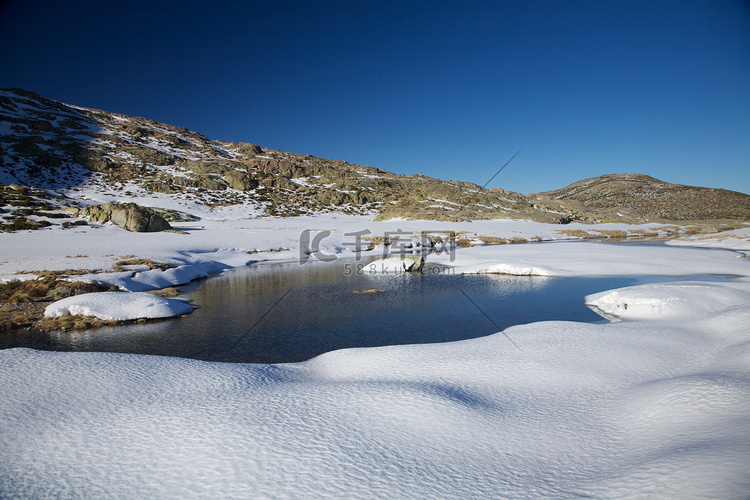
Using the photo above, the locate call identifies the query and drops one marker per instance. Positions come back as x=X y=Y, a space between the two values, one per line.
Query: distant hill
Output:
x=70 y=151
x=641 y=196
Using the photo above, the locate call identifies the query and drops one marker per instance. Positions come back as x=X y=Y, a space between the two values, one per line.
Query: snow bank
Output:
x=737 y=239
x=120 y=306
x=667 y=300
x=590 y=259
x=155 y=279
x=657 y=407
x=515 y=270
x=226 y=241
x=633 y=409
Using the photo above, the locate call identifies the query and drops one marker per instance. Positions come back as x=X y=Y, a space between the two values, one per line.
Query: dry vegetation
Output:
x=637 y=196
x=578 y=233
x=643 y=234
x=120 y=266
x=613 y=234
x=22 y=303
x=493 y=240
x=66 y=323
x=378 y=240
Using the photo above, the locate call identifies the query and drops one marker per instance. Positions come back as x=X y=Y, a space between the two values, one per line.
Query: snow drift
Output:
x=634 y=409
x=119 y=306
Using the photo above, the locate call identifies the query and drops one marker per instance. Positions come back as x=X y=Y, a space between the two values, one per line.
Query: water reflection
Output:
x=243 y=317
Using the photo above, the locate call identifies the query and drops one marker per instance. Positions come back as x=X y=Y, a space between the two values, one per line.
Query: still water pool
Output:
x=290 y=312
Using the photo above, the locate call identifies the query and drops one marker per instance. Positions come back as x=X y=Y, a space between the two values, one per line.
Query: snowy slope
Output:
x=653 y=406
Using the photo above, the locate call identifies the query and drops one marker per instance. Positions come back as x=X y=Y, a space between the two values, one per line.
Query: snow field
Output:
x=634 y=409
x=655 y=405
x=213 y=245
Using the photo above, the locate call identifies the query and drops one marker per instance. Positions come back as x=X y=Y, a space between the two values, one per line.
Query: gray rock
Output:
x=128 y=215
x=240 y=180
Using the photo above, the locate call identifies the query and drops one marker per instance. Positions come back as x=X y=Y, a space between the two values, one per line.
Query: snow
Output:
x=653 y=405
x=301 y=181
x=155 y=279
x=221 y=238
x=446 y=202
x=667 y=300
x=634 y=409
x=118 y=306
x=738 y=239
x=575 y=259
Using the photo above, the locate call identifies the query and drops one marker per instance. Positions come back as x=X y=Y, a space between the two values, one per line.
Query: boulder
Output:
x=249 y=149
x=93 y=160
x=128 y=215
x=240 y=180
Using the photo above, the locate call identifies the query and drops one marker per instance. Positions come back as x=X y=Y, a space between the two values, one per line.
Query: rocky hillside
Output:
x=642 y=197
x=55 y=146
x=60 y=155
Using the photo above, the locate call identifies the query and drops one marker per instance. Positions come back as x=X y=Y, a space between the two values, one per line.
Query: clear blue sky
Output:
x=446 y=89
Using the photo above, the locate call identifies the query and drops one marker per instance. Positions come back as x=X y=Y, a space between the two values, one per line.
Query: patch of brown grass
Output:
x=270 y=250
x=493 y=240
x=614 y=234
x=32 y=290
x=168 y=292
x=20 y=315
x=578 y=233
x=65 y=323
x=642 y=233
x=377 y=240
x=120 y=266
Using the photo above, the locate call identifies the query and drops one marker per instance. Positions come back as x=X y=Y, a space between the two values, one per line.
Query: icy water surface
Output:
x=290 y=312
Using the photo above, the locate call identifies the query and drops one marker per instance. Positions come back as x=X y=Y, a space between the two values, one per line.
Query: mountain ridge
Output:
x=68 y=149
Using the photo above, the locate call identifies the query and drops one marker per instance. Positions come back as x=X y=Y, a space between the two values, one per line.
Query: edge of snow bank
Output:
x=118 y=306
x=679 y=300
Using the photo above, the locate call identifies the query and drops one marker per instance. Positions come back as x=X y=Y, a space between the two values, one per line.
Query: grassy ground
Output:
x=22 y=303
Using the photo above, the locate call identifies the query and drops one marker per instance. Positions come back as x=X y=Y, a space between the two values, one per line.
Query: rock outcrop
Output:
x=128 y=215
